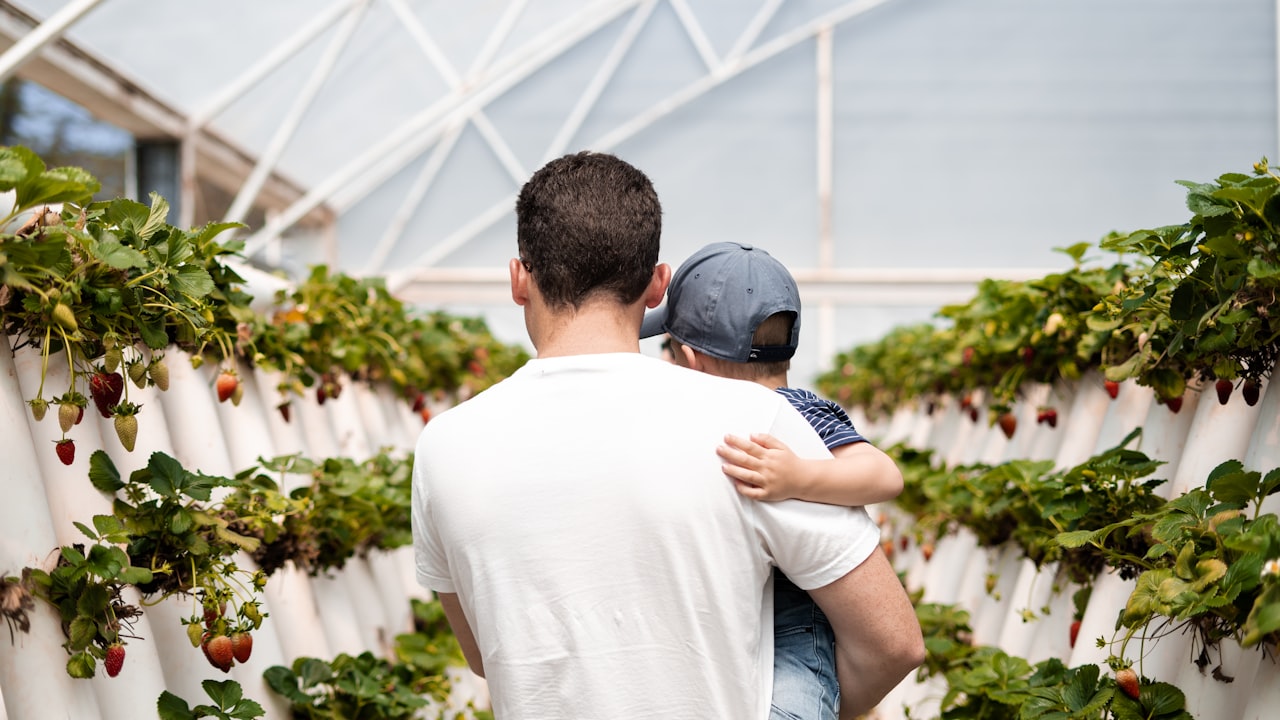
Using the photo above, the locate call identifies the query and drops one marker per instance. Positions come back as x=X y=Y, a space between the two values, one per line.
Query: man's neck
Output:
x=594 y=328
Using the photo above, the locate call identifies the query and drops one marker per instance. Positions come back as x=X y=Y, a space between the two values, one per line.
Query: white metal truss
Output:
x=289 y=123
x=47 y=32
x=420 y=132
x=724 y=71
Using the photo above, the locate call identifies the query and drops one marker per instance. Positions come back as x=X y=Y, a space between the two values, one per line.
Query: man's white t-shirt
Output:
x=607 y=566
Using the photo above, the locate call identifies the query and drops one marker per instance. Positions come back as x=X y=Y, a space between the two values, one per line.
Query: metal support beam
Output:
x=694 y=30
x=591 y=94
x=825 y=131
x=676 y=100
x=320 y=22
x=424 y=129
x=895 y=287
x=289 y=123
x=48 y=31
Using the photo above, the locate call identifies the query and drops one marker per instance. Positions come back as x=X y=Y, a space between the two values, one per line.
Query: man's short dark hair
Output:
x=587 y=224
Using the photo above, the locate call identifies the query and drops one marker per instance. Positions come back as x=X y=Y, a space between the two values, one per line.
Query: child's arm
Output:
x=763 y=468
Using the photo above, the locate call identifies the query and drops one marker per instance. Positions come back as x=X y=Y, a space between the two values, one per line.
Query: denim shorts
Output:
x=805 y=686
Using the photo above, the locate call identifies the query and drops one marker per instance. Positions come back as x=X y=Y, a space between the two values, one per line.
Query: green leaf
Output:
x=1261 y=268
x=1161 y=698
x=1264 y=616
x=1270 y=483
x=1075 y=538
x=314 y=671
x=134 y=575
x=180 y=521
x=103 y=473
x=282 y=680
x=59 y=185
x=13 y=166
x=82 y=631
x=166 y=475
x=1224 y=246
x=156 y=218
x=223 y=692
x=153 y=333
x=107 y=525
x=85 y=529
x=120 y=257
x=172 y=707
x=192 y=281
x=248 y=710
x=81 y=665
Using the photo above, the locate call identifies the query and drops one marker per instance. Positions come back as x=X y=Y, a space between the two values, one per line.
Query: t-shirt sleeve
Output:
x=430 y=562
x=815 y=544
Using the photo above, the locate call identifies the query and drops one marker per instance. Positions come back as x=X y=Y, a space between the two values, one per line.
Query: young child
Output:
x=733 y=310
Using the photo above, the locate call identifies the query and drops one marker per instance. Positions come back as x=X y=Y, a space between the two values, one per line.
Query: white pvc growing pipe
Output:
x=33 y=674
x=72 y=499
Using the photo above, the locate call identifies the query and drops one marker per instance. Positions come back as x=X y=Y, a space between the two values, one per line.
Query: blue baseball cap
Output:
x=718 y=298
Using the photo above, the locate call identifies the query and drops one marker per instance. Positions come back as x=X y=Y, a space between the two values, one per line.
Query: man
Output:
x=590 y=554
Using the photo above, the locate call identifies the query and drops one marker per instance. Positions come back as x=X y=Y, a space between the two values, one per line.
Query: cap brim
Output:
x=655 y=323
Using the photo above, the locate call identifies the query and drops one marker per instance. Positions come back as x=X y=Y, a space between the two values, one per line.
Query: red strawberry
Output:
x=1028 y=355
x=66 y=450
x=973 y=414
x=1075 y=631
x=1051 y=417
x=105 y=389
x=285 y=409
x=419 y=402
x=1008 y=424
x=1127 y=680
x=887 y=547
x=966 y=356
x=927 y=551
x=218 y=650
x=1250 y=392
x=115 y=659
x=425 y=412
x=1224 y=388
x=226 y=385
x=476 y=368
x=1113 y=388
x=966 y=402
x=241 y=646
x=903 y=543
x=1175 y=404
x=321 y=396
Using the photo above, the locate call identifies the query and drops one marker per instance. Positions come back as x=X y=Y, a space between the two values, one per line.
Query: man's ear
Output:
x=519 y=282
x=657 y=285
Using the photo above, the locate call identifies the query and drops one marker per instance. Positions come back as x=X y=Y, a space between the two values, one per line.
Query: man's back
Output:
x=619 y=575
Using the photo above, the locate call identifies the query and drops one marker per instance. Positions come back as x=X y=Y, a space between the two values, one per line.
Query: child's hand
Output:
x=762 y=468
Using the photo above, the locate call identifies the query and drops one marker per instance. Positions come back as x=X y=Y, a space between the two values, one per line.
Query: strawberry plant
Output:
x=101 y=281
x=361 y=686
x=1031 y=504
x=411 y=685
x=1202 y=310
x=229 y=703
x=346 y=509
x=988 y=683
x=85 y=587
x=1209 y=564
